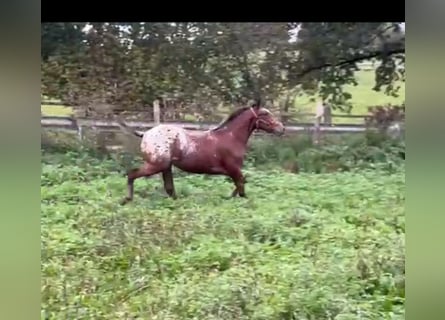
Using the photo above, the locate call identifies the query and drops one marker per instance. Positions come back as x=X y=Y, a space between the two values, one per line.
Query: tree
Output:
x=329 y=52
x=60 y=38
x=131 y=64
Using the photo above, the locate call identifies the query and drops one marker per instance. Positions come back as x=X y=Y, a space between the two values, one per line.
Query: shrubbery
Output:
x=335 y=153
x=293 y=153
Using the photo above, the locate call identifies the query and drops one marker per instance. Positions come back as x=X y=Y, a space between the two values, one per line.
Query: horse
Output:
x=217 y=151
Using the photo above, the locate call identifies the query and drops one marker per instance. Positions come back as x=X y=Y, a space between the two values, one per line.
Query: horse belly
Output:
x=198 y=165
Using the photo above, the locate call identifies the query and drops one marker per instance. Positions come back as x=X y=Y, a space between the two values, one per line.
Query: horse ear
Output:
x=256 y=104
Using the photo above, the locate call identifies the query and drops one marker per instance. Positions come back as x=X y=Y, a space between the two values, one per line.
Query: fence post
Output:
x=316 y=134
x=319 y=113
x=80 y=133
x=157 y=119
x=156 y=112
x=327 y=115
x=78 y=128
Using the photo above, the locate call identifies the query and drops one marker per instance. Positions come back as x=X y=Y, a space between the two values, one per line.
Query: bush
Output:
x=293 y=153
x=337 y=153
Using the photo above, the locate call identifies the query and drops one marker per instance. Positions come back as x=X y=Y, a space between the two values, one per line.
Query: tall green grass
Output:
x=325 y=246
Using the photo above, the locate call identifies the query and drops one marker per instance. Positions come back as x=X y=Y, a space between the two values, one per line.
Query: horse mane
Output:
x=235 y=114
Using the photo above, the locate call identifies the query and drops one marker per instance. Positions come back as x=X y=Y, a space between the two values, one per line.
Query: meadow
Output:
x=301 y=246
x=362 y=97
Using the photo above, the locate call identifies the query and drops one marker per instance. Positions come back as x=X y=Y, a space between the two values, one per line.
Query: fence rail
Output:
x=322 y=123
x=136 y=111
x=77 y=125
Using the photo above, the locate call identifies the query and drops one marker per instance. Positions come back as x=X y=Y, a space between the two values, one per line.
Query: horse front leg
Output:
x=239 y=180
x=167 y=176
x=232 y=168
x=235 y=191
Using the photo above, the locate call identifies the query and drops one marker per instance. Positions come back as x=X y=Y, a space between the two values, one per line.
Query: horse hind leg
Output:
x=169 y=186
x=146 y=170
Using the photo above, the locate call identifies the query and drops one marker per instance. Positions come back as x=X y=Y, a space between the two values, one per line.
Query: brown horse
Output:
x=218 y=151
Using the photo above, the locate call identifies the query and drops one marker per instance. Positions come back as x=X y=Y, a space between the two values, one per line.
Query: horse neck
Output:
x=241 y=128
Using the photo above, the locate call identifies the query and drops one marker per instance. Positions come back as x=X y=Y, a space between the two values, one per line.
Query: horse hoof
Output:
x=232 y=196
x=125 y=201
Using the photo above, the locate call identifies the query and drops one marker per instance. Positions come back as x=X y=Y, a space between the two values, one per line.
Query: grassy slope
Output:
x=54 y=110
x=362 y=97
x=305 y=245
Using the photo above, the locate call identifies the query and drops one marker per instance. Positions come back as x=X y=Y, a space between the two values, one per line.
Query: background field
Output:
x=362 y=97
x=300 y=247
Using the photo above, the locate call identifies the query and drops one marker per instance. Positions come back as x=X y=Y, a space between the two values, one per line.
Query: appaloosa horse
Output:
x=218 y=151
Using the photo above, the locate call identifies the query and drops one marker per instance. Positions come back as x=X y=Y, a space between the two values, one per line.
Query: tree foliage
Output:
x=129 y=65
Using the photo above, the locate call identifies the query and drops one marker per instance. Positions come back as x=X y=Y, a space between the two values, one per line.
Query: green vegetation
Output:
x=335 y=153
x=217 y=64
x=306 y=246
x=56 y=110
x=292 y=153
x=321 y=234
x=362 y=97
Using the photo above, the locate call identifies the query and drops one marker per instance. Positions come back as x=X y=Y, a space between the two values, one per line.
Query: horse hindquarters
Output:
x=159 y=146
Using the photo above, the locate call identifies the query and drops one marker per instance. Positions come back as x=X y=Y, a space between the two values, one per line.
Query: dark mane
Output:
x=230 y=118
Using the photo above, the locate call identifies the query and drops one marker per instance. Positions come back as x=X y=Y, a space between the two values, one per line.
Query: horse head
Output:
x=266 y=121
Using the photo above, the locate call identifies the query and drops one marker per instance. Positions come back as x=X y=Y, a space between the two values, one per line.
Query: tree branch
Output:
x=352 y=60
x=244 y=65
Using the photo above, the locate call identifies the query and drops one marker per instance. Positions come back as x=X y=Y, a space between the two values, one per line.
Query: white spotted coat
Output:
x=158 y=143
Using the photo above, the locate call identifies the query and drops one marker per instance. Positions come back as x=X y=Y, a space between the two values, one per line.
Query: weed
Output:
x=300 y=247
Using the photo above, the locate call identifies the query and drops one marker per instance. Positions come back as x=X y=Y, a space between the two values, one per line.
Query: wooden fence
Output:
x=73 y=125
x=138 y=111
x=322 y=123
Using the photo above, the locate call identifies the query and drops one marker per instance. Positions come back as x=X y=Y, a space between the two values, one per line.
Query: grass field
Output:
x=362 y=97
x=328 y=246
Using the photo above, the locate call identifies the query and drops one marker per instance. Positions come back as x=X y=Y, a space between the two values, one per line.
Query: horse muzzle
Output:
x=279 y=130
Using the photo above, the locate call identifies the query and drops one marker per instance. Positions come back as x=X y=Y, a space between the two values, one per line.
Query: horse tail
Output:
x=128 y=130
